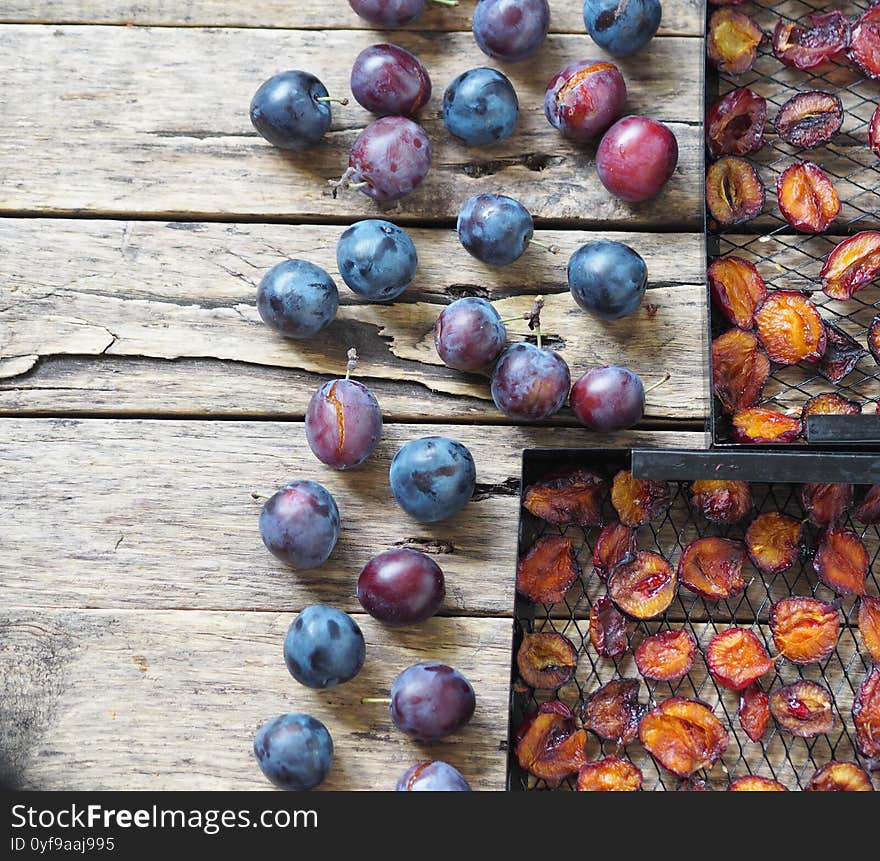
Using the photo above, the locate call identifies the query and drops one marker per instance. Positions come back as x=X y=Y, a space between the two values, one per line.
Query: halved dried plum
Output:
x=732 y=41
x=722 y=501
x=737 y=658
x=643 y=588
x=807 y=198
x=548 y=570
x=613 y=711
x=842 y=354
x=790 y=328
x=864 y=46
x=826 y=503
x=615 y=542
x=754 y=712
x=754 y=783
x=842 y=561
x=773 y=541
x=546 y=660
x=808 y=47
x=737 y=289
x=764 y=425
x=683 y=736
x=666 y=656
x=805 y=630
x=712 y=567
x=866 y=715
x=804 y=709
x=810 y=119
x=549 y=745
x=852 y=265
x=608 y=629
x=740 y=368
x=869 y=626
x=638 y=501
x=840 y=777
x=571 y=500
x=735 y=123
x=874 y=132
x=874 y=338
x=734 y=191
x=611 y=774
x=868 y=510
x=829 y=404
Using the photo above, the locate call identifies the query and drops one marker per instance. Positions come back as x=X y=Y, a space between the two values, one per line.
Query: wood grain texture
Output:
x=99 y=700
x=158 y=514
x=680 y=17
x=86 y=291
x=172 y=133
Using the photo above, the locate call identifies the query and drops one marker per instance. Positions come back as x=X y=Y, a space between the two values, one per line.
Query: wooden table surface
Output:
x=143 y=400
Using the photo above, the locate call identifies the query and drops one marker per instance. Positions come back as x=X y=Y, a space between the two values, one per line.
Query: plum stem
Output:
x=366 y=701
x=446 y=2
x=553 y=249
x=342 y=182
x=352 y=362
x=357 y=185
x=342 y=101
x=534 y=319
x=659 y=383
x=255 y=494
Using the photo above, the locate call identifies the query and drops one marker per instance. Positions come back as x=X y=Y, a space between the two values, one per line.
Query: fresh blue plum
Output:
x=607 y=279
x=299 y=524
x=609 y=398
x=530 y=382
x=285 y=110
x=430 y=701
x=583 y=99
x=401 y=587
x=469 y=334
x=343 y=423
x=480 y=107
x=436 y=776
x=390 y=81
x=622 y=27
x=377 y=259
x=388 y=13
x=432 y=478
x=392 y=156
x=324 y=647
x=297 y=299
x=511 y=30
x=495 y=229
x=294 y=751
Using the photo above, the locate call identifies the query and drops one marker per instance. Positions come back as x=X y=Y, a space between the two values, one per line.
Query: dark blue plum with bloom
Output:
x=388 y=80
x=511 y=30
x=480 y=107
x=622 y=27
x=324 y=647
x=287 y=112
x=607 y=279
x=469 y=334
x=430 y=701
x=530 y=382
x=377 y=259
x=494 y=228
x=343 y=423
x=297 y=299
x=432 y=478
x=299 y=524
x=388 y=13
x=436 y=776
x=294 y=751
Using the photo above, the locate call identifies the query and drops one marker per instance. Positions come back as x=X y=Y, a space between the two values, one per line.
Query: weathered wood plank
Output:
x=158 y=514
x=168 y=291
x=680 y=17
x=180 y=142
x=179 y=697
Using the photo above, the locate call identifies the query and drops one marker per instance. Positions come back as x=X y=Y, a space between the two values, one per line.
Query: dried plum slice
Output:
x=666 y=656
x=735 y=123
x=864 y=48
x=868 y=510
x=571 y=500
x=807 y=47
x=851 y=265
x=866 y=715
x=613 y=711
x=614 y=543
x=790 y=328
x=737 y=658
x=766 y=426
x=712 y=567
x=638 y=501
x=874 y=132
x=805 y=630
x=825 y=504
x=874 y=338
x=773 y=541
x=754 y=783
x=842 y=561
x=840 y=777
x=608 y=629
x=842 y=354
x=869 y=626
x=810 y=119
x=722 y=501
x=546 y=660
x=548 y=570
x=740 y=369
x=804 y=709
x=829 y=404
x=644 y=587
x=732 y=41
x=754 y=712
x=807 y=198
x=611 y=774
x=737 y=289
x=734 y=191
x=549 y=744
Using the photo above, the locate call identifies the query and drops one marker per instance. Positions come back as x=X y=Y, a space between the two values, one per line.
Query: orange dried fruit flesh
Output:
x=735 y=123
x=549 y=744
x=740 y=368
x=866 y=715
x=790 y=328
x=643 y=588
x=754 y=712
x=732 y=40
x=807 y=47
x=613 y=712
x=773 y=542
x=753 y=783
x=842 y=354
x=608 y=629
x=737 y=658
x=805 y=630
x=722 y=501
x=546 y=660
x=615 y=542
x=766 y=426
x=842 y=561
x=807 y=198
x=737 y=289
x=829 y=404
x=874 y=338
x=572 y=500
x=810 y=119
x=666 y=656
x=712 y=567
x=734 y=191
x=548 y=570
x=868 y=510
x=611 y=774
x=869 y=626
x=840 y=777
x=826 y=503
x=804 y=709
x=683 y=735
x=864 y=46
x=638 y=501
x=851 y=265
